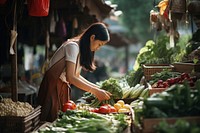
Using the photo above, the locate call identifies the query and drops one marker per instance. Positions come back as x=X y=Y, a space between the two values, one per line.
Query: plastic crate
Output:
x=16 y=124
x=150 y=69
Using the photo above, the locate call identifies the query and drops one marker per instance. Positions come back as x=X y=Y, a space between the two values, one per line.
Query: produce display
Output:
x=120 y=89
x=163 y=75
x=177 y=101
x=131 y=101
x=83 y=121
x=166 y=78
x=10 y=108
x=134 y=97
x=111 y=85
x=151 y=52
x=132 y=93
x=109 y=116
x=102 y=109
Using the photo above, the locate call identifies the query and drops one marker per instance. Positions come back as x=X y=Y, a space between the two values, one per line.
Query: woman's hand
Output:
x=101 y=94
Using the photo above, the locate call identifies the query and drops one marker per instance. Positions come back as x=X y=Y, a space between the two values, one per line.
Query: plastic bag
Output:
x=38 y=7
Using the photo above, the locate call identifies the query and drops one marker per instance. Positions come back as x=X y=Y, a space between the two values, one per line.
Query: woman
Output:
x=64 y=69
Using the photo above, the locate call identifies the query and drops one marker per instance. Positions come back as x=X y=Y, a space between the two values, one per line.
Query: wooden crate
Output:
x=150 y=69
x=149 y=124
x=153 y=90
x=18 y=124
x=186 y=67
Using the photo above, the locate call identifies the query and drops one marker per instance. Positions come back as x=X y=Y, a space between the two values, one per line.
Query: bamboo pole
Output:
x=47 y=45
x=127 y=57
x=14 y=72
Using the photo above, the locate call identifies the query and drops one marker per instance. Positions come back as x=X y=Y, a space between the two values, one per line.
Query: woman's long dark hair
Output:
x=86 y=55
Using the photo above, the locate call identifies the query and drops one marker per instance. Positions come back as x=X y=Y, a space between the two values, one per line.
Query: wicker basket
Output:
x=150 y=69
x=16 y=124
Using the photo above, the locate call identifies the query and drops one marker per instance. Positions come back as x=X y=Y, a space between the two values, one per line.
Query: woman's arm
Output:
x=85 y=80
x=83 y=84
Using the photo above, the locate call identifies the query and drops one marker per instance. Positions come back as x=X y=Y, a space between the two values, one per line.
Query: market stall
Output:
x=161 y=93
x=38 y=28
x=171 y=70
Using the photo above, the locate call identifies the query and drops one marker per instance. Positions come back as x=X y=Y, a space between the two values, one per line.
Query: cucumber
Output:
x=157 y=102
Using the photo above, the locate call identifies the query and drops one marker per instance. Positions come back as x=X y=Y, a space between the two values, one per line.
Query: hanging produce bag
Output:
x=38 y=7
x=60 y=29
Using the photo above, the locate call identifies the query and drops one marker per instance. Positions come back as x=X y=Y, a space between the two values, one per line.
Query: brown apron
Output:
x=53 y=92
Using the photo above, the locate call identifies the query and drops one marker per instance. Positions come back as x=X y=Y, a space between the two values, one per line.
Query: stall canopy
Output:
x=98 y=8
x=117 y=40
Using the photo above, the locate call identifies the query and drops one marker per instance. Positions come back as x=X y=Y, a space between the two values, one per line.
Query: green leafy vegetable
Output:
x=74 y=121
x=112 y=85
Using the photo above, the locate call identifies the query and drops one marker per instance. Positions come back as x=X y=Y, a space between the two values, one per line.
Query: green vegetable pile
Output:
x=179 y=100
x=133 y=77
x=112 y=85
x=181 y=126
x=151 y=52
x=163 y=75
x=82 y=121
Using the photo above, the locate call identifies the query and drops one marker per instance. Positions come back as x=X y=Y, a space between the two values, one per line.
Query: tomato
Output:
x=91 y=109
x=96 y=110
x=171 y=81
x=108 y=105
x=191 y=83
x=165 y=84
x=113 y=109
x=104 y=109
x=73 y=103
x=185 y=76
x=70 y=101
x=67 y=106
x=160 y=82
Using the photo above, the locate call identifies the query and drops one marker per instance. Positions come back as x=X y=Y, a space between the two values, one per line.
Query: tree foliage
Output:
x=136 y=18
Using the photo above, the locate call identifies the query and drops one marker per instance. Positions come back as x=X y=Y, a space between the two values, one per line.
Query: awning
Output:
x=117 y=40
x=97 y=8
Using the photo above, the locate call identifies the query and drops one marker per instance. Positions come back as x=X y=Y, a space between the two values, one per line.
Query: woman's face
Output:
x=96 y=44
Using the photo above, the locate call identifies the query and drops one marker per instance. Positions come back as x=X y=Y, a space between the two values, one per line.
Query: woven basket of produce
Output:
x=150 y=69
